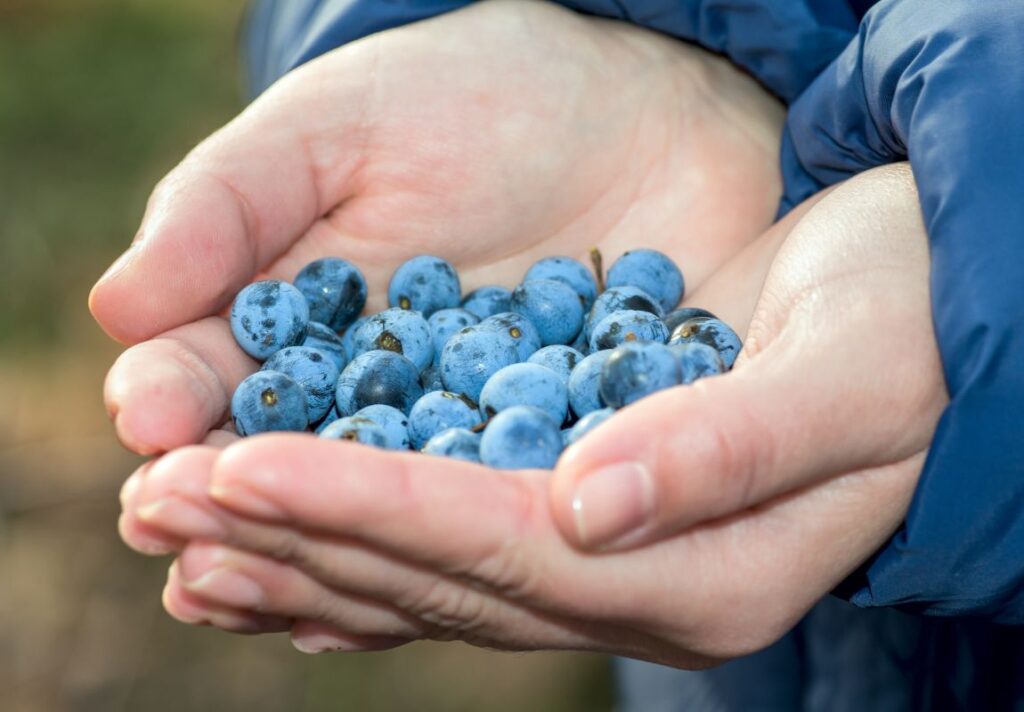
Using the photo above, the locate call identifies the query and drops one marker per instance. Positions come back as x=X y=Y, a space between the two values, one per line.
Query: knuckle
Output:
x=506 y=567
x=450 y=610
x=737 y=447
x=286 y=546
x=199 y=371
x=312 y=557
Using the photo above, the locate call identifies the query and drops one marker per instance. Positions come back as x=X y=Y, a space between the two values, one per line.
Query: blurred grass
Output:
x=98 y=99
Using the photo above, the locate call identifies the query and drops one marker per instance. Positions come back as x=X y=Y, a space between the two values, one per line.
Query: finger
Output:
x=352 y=490
x=172 y=391
x=475 y=549
x=239 y=200
x=313 y=567
x=170 y=488
x=187 y=608
x=244 y=581
x=141 y=537
x=312 y=637
x=172 y=500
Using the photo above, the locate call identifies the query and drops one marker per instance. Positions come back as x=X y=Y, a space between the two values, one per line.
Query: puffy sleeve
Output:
x=942 y=83
x=784 y=44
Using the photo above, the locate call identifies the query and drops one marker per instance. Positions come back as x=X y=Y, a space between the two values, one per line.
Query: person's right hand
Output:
x=492 y=136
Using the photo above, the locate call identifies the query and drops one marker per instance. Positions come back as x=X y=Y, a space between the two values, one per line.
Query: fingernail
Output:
x=182 y=517
x=140 y=541
x=612 y=502
x=228 y=587
x=322 y=643
x=121 y=263
x=247 y=498
x=176 y=606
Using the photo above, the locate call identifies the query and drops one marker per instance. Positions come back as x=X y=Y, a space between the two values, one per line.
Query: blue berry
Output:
x=637 y=369
x=324 y=339
x=430 y=379
x=560 y=359
x=356 y=429
x=517 y=329
x=335 y=290
x=587 y=423
x=568 y=271
x=378 y=377
x=582 y=342
x=456 y=443
x=651 y=271
x=620 y=299
x=624 y=326
x=566 y=434
x=487 y=301
x=439 y=411
x=348 y=337
x=521 y=437
x=394 y=422
x=697 y=360
x=678 y=316
x=446 y=322
x=713 y=332
x=584 y=394
x=331 y=416
x=552 y=307
x=424 y=284
x=312 y=370
x=267 y=316
x=268 y=401
x=526 y=384
x=472 y=356
x=398 y=330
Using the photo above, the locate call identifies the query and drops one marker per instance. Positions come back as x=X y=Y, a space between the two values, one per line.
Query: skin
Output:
x=286 y=533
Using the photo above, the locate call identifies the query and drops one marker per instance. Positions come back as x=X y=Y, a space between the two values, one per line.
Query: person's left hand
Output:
x=354 y=548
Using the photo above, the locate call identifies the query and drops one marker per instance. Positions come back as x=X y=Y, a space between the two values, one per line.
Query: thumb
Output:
x=781 y=421
x=235 y=204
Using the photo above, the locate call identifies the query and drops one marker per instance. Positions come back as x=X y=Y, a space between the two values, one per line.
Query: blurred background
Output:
x=98 y=99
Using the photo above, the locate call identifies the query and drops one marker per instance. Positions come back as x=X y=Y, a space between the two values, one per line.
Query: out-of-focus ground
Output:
x=98 y=98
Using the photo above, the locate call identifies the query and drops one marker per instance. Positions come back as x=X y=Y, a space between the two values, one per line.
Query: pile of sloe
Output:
x=491 y=378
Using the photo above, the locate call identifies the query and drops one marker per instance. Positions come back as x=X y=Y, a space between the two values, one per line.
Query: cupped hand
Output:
x=491 y=136
x=839 y=372
x=352 y=548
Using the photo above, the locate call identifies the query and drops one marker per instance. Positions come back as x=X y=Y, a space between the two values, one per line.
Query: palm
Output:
x=490 y=136
x=528 y=131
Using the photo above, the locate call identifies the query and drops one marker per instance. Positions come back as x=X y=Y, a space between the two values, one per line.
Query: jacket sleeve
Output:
x=784 y=44
x=943 y=84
